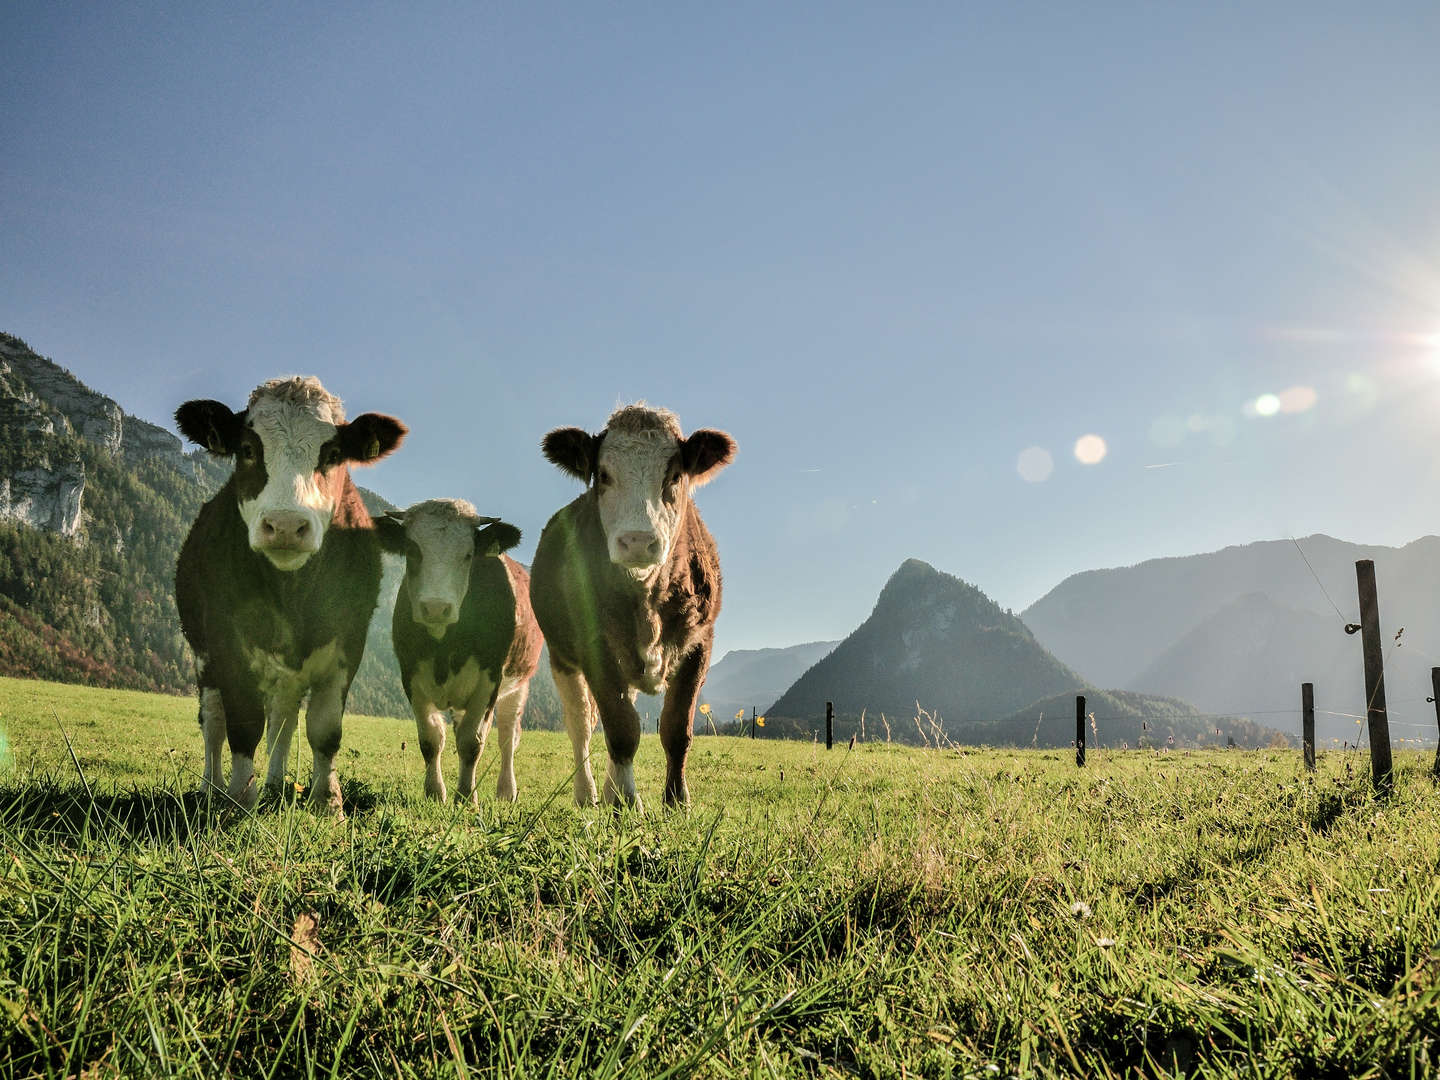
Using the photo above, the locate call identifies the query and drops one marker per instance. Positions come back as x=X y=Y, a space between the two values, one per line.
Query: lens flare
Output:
x=1035 y=465
x=1298 y=399
x=1167 y=431
x=1090 y=449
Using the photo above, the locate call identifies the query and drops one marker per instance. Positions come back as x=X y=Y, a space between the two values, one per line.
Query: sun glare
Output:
x=1266 y=405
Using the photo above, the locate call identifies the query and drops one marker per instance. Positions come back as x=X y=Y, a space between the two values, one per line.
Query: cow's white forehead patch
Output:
x=438 y=534
x=290 y=433
x=637 y=454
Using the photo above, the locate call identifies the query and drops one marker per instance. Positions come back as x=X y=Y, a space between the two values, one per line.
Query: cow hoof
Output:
x=436 y=793
x=506 y=792
x=584 y=791
x=326 y=802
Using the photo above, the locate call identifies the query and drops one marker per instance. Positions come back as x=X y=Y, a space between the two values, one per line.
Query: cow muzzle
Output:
x=287 y=538
x=436 y=616
x=636 y=550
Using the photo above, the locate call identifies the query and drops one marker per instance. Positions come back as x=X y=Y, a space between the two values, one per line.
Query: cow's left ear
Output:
x=369 y=437
x=705 y=453
x=211 y=424
x=493 y=539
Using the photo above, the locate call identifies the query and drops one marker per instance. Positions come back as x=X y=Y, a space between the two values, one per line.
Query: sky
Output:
x=1017 y=289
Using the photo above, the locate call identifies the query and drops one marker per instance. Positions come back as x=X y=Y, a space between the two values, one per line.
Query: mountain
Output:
x=935 y=640
x=93 y=506
x=743 y=678
x=1237 y=630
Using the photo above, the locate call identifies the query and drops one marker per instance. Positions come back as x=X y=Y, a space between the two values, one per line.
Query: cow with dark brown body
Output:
x=464 y=634
x=278 y=577
x=626 y=587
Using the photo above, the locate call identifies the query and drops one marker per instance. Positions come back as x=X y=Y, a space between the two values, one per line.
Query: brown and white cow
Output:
x=626 y=587
x=278 y=577
x=464 y=634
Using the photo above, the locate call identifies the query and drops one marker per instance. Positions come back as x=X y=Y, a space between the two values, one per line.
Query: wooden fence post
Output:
x=1435 y=686
x=753 y=710
x=1307 y=723
x=1079 y=730
x=1381 y=774
x=829 y=725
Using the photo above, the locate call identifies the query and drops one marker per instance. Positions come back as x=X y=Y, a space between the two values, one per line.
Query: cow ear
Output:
x=390 y=531
x=705 y=453
x=212 y=425
x=369 y=437
x=575 y=450
x=493 y=539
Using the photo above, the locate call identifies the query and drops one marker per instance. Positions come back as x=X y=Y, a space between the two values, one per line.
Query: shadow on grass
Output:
x=56 y=812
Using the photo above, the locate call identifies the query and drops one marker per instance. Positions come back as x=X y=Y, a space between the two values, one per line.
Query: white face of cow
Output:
x=644 y=470
x=291 y=447
x=288 y=516
x=642 y=491
x=441 y=539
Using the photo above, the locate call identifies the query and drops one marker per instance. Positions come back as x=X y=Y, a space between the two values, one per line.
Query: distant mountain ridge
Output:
x=938 y=662
x=1238 y=630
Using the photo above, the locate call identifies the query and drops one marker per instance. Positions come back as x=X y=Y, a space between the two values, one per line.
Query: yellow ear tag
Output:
x=373 y=450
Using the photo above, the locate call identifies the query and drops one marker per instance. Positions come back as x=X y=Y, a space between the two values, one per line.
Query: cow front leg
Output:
x=322 y=730
x=430 y=733
x=677 y=720
x=509 y=707
x=579 y=710
x=622 y=739
x=244 y=719
x=471 y=731
x=212 y=728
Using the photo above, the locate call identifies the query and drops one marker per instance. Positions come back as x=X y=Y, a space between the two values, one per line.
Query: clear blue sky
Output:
x=891 y=248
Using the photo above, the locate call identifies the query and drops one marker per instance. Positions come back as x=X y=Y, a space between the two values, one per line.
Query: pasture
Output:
x=880 y=911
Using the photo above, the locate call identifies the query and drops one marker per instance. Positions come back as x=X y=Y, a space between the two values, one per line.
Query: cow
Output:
x=464 y=634
x=278 y=577
x=626 y=588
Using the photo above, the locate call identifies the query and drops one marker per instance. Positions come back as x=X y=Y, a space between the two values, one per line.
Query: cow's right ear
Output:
x=390 y=531
x=212 y=425
x=575 y=450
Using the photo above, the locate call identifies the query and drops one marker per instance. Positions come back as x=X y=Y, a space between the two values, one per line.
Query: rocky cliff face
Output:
x=45 y=488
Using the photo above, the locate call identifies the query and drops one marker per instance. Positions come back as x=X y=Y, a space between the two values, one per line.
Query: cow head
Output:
x=441 y=539
x=291 y=447
x=643 y=471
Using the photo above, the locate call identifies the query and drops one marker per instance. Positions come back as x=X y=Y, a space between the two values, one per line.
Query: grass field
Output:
x=882 y=912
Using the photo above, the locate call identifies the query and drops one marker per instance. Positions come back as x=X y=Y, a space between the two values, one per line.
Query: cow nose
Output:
x=436 y=611
x=638 y=548
x=285 y=529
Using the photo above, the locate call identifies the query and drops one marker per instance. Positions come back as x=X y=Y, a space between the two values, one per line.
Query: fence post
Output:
x=1079 y=730
x=753 y=709
x=1307 y=723
x=1380 y=769
x=1435 y=687
x=829 y=725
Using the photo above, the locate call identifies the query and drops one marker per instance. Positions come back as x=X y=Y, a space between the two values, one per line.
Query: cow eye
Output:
x=605 y=478
x=331 y=457
x=247 y=453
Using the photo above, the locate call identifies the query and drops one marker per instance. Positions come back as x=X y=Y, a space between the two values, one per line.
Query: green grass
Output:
x=877 y=912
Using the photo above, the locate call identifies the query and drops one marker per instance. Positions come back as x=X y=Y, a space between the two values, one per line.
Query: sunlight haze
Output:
x=1018 y=290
